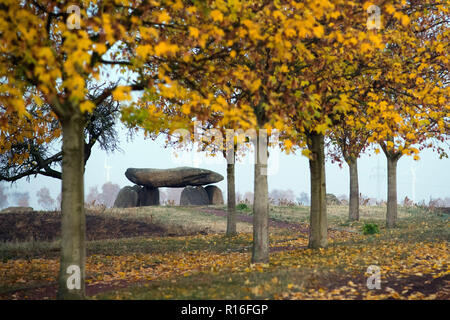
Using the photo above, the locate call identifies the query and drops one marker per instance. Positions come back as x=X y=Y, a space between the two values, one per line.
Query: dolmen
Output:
x=145 y=192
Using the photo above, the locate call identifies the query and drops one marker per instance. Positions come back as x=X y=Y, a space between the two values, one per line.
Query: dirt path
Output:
x=299 y=227
x=302 y=228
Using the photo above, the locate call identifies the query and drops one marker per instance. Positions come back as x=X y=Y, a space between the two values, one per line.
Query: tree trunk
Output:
x=318 y=216
x=353 y=211
x=391 y=215
x=73 y=227
x=231 y=201
x=261 y=202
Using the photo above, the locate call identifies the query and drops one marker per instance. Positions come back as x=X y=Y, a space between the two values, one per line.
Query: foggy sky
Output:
x=432 y=175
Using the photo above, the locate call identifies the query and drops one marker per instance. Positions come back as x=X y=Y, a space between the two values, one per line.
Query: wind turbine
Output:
x=107 y=168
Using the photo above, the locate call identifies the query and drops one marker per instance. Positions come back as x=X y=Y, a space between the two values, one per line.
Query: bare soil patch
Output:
x=47 y=227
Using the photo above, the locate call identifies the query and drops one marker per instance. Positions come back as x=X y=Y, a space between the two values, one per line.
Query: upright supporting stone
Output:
x=194 y=196
x=149 y=197
x=127 y=198
x=138 y=190
x=215 y=195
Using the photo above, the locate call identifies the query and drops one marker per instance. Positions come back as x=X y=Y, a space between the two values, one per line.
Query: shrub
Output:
x=242 y=206
x=370 y=228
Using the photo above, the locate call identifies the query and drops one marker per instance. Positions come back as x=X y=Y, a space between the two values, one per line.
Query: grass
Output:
x=417 y=246
x=432 y=226
x=214 y=243
x=223 y=286
x=176 y=217
x=284 y=275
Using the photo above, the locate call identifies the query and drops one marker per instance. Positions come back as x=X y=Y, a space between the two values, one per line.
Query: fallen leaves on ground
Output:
x=397 y=260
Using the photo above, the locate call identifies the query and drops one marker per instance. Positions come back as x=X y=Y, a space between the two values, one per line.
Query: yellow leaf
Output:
x=284 y=68
x=287 y=144
x=318 y=31
x=321 y=128
x=38 y=100
x=87 y=106
x=194 y=32
x=217 y=15
x=365 y=47
x=164 y=48
x=306 y=152
x=185 y=108
x=405 y=20
x=121 y=93
x=163 y=17
x=143 y=51
x=390 y=9
x=255 y=85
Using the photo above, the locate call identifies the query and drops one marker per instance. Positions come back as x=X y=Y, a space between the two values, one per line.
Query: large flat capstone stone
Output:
x=172 y=178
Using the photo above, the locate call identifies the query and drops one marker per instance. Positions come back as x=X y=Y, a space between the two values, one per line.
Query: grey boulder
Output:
x=148 y=197
x=214 y=194
x=172 y=178
x=128 y=197
x=194 y=196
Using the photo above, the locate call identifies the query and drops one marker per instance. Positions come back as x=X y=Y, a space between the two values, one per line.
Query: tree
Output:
x=410 y=111
x=297 y=67
x=106 y=197
x=22 y=199
x=109 y=194
x=44 y=199
x=39 y=151
x=342 y=83
x=347 y=143
x=391 y=87
x=214 y=139
x=303 y=198
x=279 y=196
x=93 y=195
x=233 y=74
x=217 y=137
x=319 y=84
x=49 y=56
x=266 y=65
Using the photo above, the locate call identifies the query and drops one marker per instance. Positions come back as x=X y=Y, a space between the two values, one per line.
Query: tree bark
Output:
x=391 y=215
x=318 y=215
x=73 y=226
x=353 y=211
x=231 y=200
x=261 y=202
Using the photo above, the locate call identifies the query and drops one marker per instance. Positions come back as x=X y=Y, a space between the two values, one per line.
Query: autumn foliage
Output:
x=310 y=69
